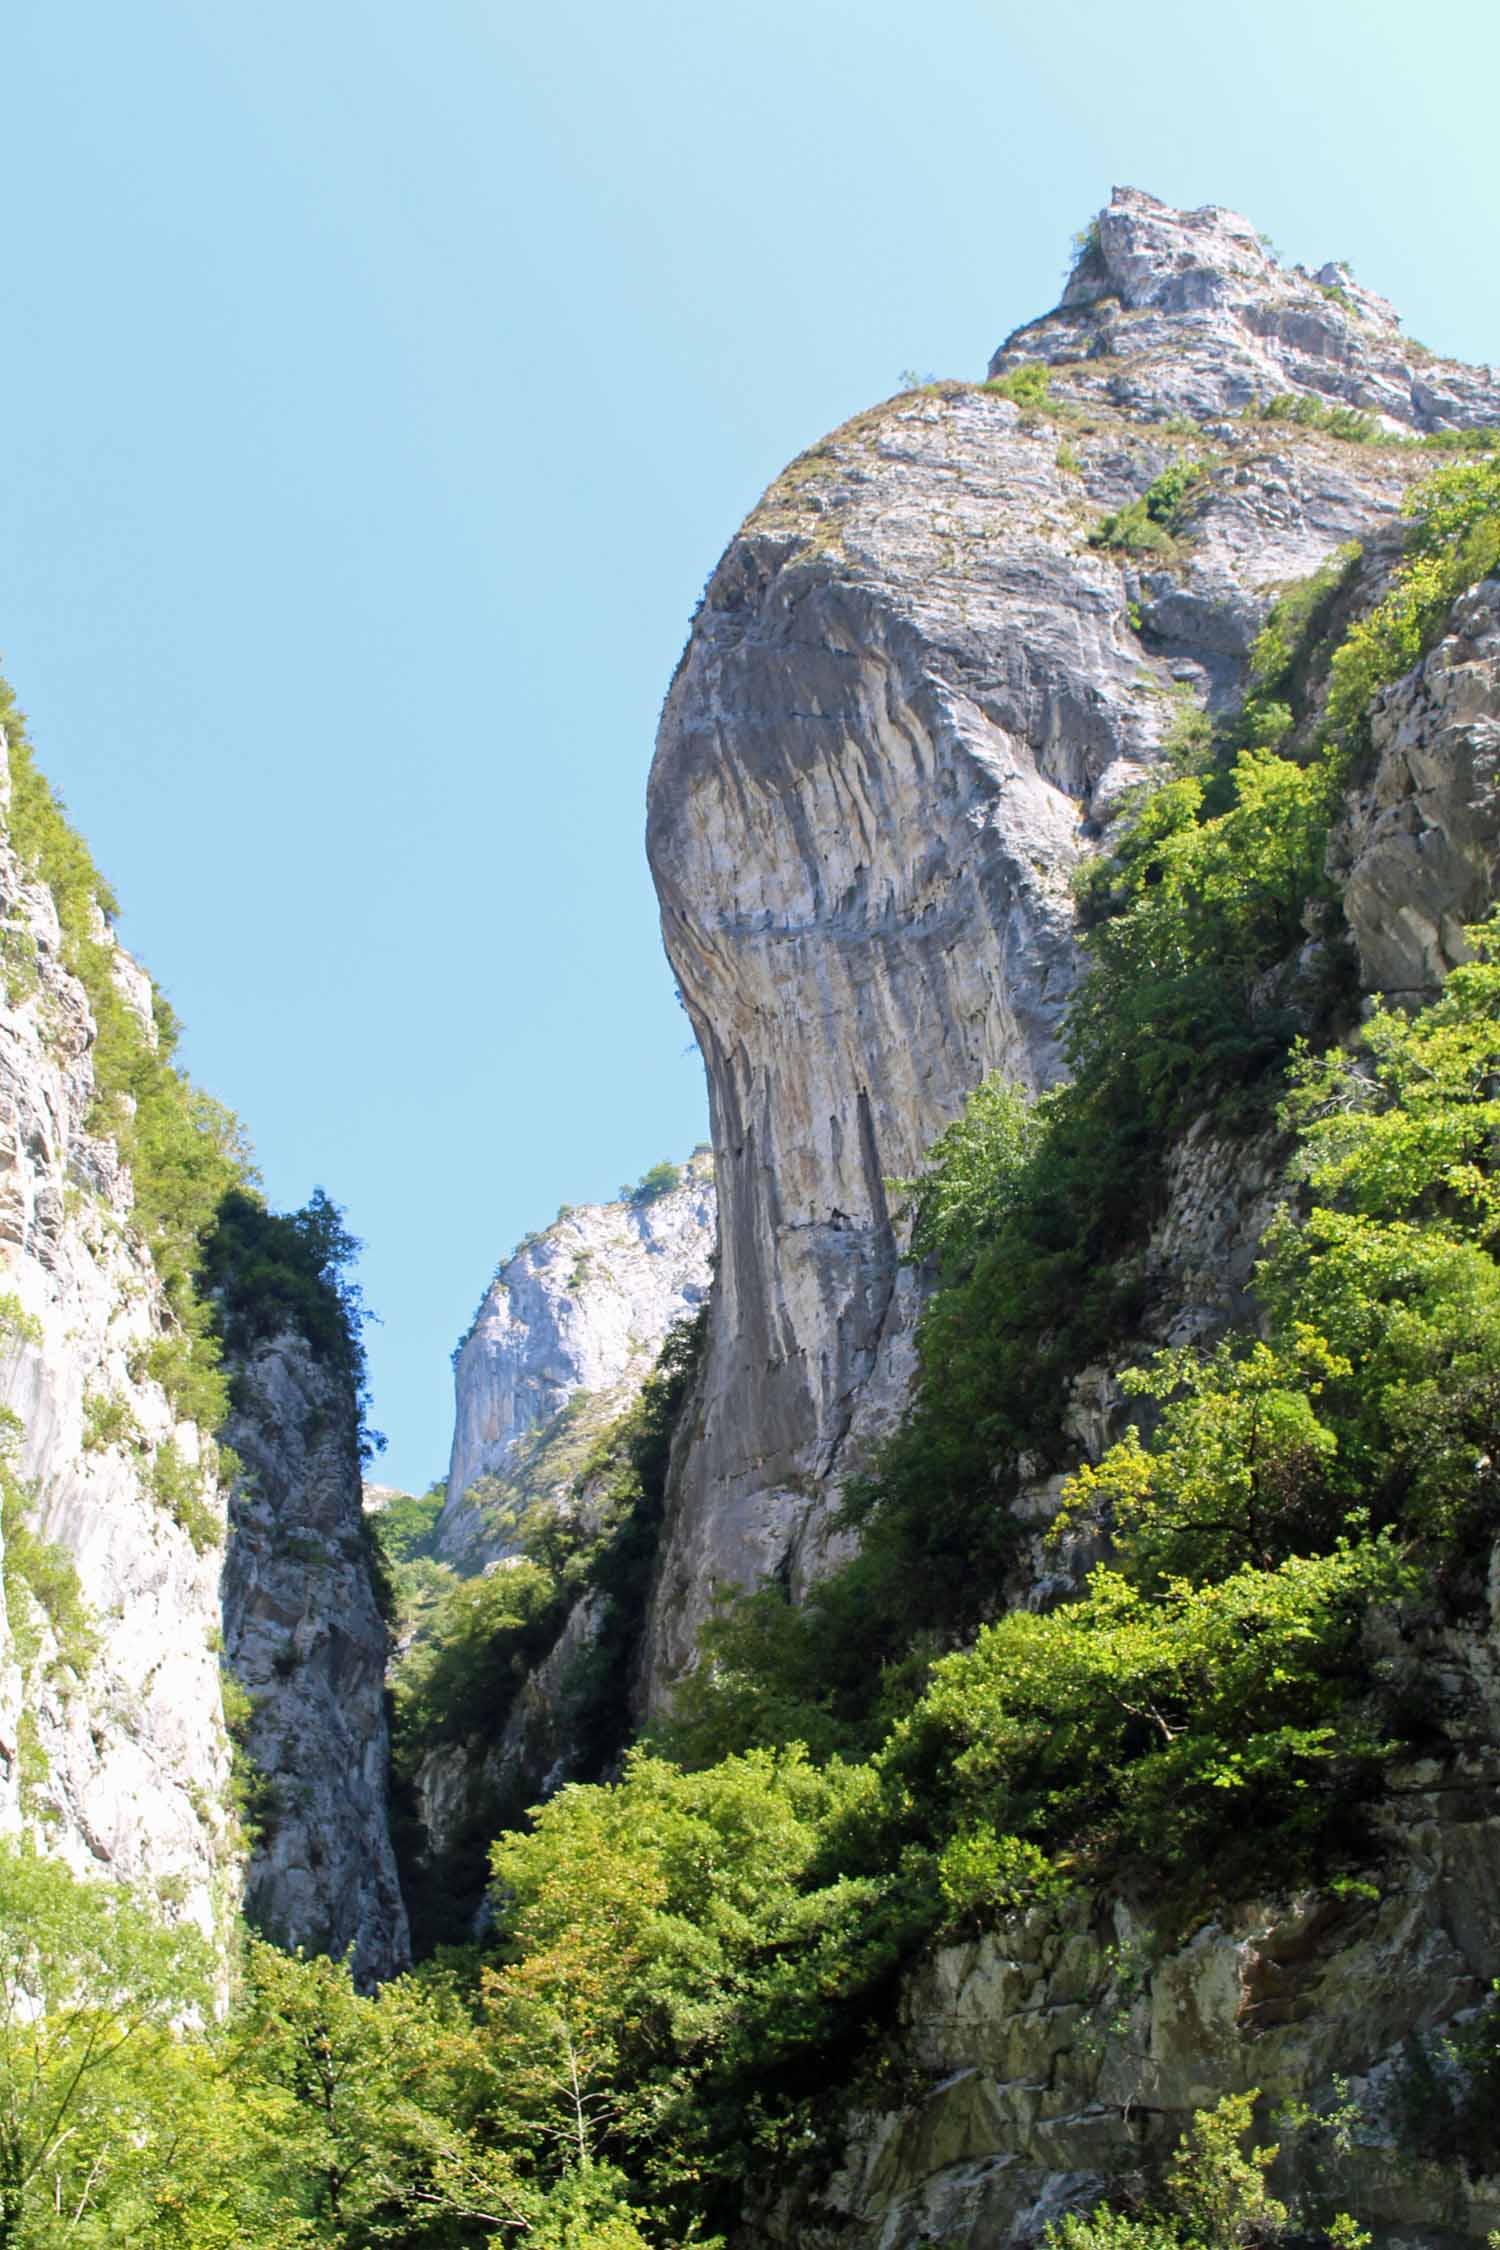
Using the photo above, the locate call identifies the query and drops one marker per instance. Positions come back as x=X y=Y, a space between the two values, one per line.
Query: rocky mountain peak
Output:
x=1190 y=312
x=1145 y=253
x=568 y=1328
x=952 y=636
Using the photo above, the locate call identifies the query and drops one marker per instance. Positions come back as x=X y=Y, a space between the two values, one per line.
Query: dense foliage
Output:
x=468 y=1642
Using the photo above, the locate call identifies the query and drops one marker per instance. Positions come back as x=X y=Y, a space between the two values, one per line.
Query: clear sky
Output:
x=380 y=383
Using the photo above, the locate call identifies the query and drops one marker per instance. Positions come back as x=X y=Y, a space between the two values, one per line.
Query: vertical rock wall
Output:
x=306 y=1641
x=910 y=703
x=120 y=1763
x=113 y=1746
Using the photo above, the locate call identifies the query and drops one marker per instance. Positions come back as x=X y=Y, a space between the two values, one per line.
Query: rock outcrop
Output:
x=565 y=1335
x=564 y=1339
x=912 y=699
x=1061 y=2055
x=1419 y=854
x=307 y=1642
x=112 y=1739
x=114 y=1630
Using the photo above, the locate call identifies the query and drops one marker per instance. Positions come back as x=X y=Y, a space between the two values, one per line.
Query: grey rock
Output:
x=306 y=1640
x=1206 y=322
x=1419 y=853
x=564 y=1337
x=913 y=698
x=1061 y=2053
x=131 y=1757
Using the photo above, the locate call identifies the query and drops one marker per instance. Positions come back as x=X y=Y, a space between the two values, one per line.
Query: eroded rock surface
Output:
x=113 y=1749
x=307 y=1642
x=911 y=700
x=566 y=1333
x=1419 y=854
x=1207 y=321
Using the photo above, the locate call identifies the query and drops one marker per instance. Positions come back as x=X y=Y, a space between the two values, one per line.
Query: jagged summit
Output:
x=1190 y=312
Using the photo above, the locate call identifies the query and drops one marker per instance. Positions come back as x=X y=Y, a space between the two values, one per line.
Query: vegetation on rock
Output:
x=469 y=1643
x=690 y=1945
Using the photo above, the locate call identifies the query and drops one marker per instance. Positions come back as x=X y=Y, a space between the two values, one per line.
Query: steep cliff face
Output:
x=921 y=681
x=307 y=1642
x=911 y=701
x=129 y=1581
x=1419 y=853
x=562 y=1340
x=112 y=1739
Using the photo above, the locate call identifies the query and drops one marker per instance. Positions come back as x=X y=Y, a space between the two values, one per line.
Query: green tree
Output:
x=91 y=1985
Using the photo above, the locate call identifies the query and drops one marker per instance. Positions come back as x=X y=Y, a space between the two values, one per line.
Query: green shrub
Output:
x=1310 y=412
x=176 y=1485
x=1027 y=386
x=1484 y=440
x=405 y=1525
x=41 y=1585
x=659 y=1180
x=108 y=1421
x=486 y=1633
x=1207 y=1730
x=1455 y=544
x=1215 y=2197
x=1149 y=525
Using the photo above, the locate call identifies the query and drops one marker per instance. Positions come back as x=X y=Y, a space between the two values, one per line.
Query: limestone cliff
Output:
x=546 y=1383
x=112 y=1739
x=920 y=682
x=912 y=697
x=563 y=1337
x=1058 y=2057
x=306 y=1640
x=130 y=1578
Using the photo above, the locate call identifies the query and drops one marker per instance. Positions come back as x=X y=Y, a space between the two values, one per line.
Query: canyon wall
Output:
x=142 y=1564
x=562 y=1340
x=914 y=696
x=114 y=1747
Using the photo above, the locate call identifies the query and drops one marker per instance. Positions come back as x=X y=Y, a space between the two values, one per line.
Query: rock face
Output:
x=911 y=699
x=306 y=1640
x=566 y=1333
x=564 y=1338
x=113 y=1745
x=1207 y=322
x=118 y=1758
x=911 y=702
x=1419 y=855
x=1054 y=2057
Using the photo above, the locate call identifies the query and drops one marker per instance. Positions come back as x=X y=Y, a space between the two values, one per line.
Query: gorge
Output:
x=991 y=1568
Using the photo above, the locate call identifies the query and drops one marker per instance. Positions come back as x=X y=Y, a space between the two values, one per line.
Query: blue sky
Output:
x=381 y=383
